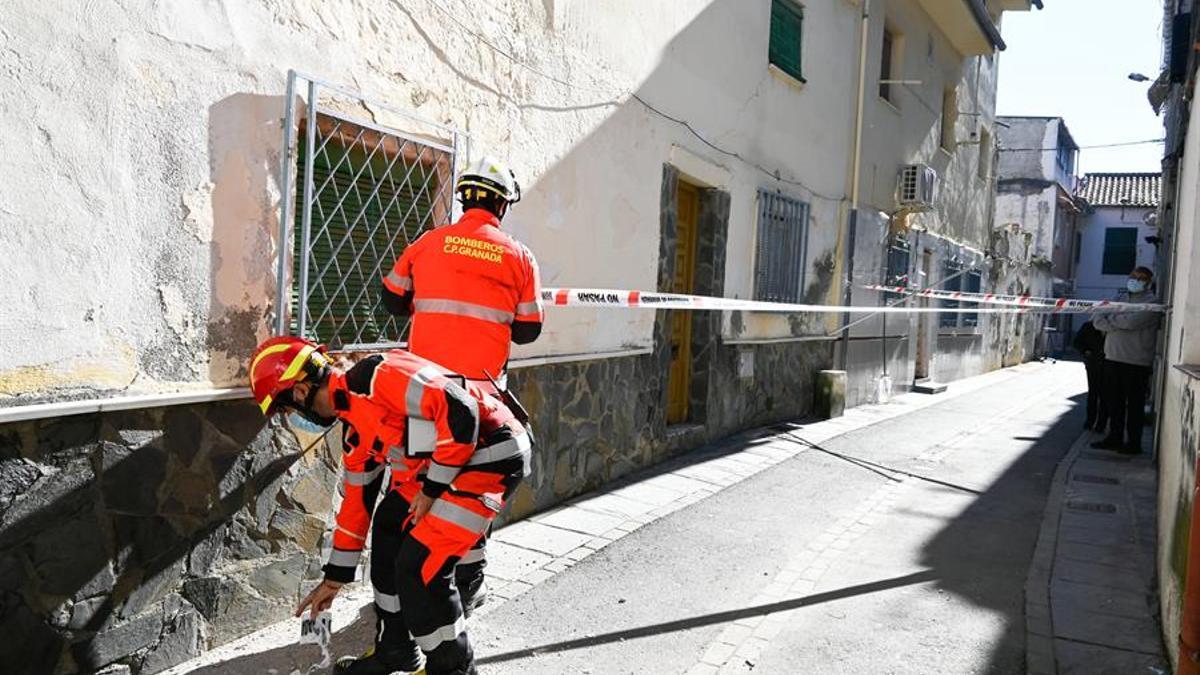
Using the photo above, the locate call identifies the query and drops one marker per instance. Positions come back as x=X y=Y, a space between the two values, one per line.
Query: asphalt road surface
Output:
x=820 y=564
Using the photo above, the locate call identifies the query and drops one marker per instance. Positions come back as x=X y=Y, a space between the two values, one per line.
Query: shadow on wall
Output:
x=244 y=153
x=112 y=529
x=974 y=556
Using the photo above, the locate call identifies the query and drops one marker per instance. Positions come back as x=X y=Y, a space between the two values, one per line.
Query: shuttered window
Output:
x=787 y=23
x=1120 y=250
x=780 y=252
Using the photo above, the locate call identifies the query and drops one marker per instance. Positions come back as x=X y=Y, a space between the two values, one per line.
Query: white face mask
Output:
x=1135 y=285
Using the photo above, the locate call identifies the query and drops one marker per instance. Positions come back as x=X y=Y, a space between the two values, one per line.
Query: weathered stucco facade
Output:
x=155 y=131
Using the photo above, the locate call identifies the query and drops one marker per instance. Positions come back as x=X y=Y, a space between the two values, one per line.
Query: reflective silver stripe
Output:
x=513 y=447
x=475 y=555
x=416 y=387
x=430 y=642
x=396 y=453
x=440 y=473
x=388 y=603
x=344 y=558
x=363 y=477
x=460 y=516
x=422 y=436
x=399 y=281
x=459 y=308
x=534 y=307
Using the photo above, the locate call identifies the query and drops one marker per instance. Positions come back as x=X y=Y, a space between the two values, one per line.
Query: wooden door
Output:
x=679 y=379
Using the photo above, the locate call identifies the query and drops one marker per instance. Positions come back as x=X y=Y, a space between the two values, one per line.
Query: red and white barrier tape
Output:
x=627 y=299
x=1051 y=304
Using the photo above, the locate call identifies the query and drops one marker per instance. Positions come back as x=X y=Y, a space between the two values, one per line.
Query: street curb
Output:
x=1039 y=624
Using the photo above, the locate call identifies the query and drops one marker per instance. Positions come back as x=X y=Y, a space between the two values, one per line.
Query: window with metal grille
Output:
x=786 y=39
x=951 y=281
x=972 y=283
x=363 y=194
x=1120 y=250
x=899 y=256
x=780 y=252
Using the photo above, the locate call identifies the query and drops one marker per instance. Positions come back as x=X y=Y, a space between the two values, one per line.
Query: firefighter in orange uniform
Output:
x=455 y=452
x=471 y=290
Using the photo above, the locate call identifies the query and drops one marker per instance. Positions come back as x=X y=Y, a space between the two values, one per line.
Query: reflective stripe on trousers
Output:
x=447 y=633
x=387 y=602
x=475 y=555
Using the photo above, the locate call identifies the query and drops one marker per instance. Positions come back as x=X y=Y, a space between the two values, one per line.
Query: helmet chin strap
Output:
x=307 y=410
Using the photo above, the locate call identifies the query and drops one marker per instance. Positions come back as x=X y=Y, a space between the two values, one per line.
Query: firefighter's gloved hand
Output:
x=320 y=599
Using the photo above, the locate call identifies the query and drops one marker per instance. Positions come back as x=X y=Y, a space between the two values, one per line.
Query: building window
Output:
x=898 y=258
x=949 y=141
x=371 y=194
x=787 y=23
x=952 y=280
x=955 y=279
x=985 y=153
x=972 y=283
x=1120 y=250
x=1065 y=157
x=780 y=251
x=890 y=59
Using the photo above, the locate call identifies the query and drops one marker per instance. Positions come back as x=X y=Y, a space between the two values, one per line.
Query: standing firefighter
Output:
x=472 y=290
x=455 y=454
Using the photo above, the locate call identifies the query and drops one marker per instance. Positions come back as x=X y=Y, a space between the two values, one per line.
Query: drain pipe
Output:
x=856 y=166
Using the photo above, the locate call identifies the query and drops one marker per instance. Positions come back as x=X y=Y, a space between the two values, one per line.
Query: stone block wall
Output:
x=130 y=541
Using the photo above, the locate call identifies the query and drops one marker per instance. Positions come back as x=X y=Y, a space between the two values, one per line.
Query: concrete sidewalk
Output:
x=526 y=554
x=1091 y=595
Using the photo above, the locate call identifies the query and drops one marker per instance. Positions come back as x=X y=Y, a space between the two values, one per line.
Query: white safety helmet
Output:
x=490 y=176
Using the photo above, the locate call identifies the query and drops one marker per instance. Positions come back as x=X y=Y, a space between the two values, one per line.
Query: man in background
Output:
x=1129 y=342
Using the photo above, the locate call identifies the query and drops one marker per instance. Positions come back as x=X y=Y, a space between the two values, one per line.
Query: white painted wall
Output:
x=1090 y=282
x=141 y=217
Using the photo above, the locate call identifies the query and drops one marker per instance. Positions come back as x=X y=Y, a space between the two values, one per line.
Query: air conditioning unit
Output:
x=915 y=188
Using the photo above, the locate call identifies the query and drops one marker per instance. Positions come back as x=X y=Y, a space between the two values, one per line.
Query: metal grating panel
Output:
x=780 y=255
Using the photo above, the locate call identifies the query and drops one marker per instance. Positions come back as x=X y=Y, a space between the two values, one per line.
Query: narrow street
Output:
x=817 y=565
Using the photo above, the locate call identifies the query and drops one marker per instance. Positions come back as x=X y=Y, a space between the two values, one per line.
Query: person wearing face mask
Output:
x=1129 y=342
x=455 y=453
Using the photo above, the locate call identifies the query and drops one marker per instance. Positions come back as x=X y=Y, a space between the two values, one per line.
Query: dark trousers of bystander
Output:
x=1125 y=389
x=1097 y=411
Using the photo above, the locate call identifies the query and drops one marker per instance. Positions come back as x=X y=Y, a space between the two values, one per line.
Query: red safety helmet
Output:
x=280 y=363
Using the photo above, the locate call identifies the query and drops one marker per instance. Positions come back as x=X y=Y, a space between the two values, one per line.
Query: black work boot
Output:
x=379 y=663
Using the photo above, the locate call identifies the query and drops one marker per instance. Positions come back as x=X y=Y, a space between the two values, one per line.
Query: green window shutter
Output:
x=1120 y=250
x=787 y=27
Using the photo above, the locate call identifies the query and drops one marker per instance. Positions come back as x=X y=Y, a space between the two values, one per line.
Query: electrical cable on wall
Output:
x=632 y=94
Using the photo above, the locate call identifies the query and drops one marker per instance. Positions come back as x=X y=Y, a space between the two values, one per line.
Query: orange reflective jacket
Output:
x=467 y=283
x=403 y=412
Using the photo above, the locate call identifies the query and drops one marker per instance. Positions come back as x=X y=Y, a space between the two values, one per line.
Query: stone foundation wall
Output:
x=142 y=537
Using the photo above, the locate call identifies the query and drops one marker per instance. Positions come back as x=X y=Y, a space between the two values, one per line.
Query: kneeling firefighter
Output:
x=455 y=453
